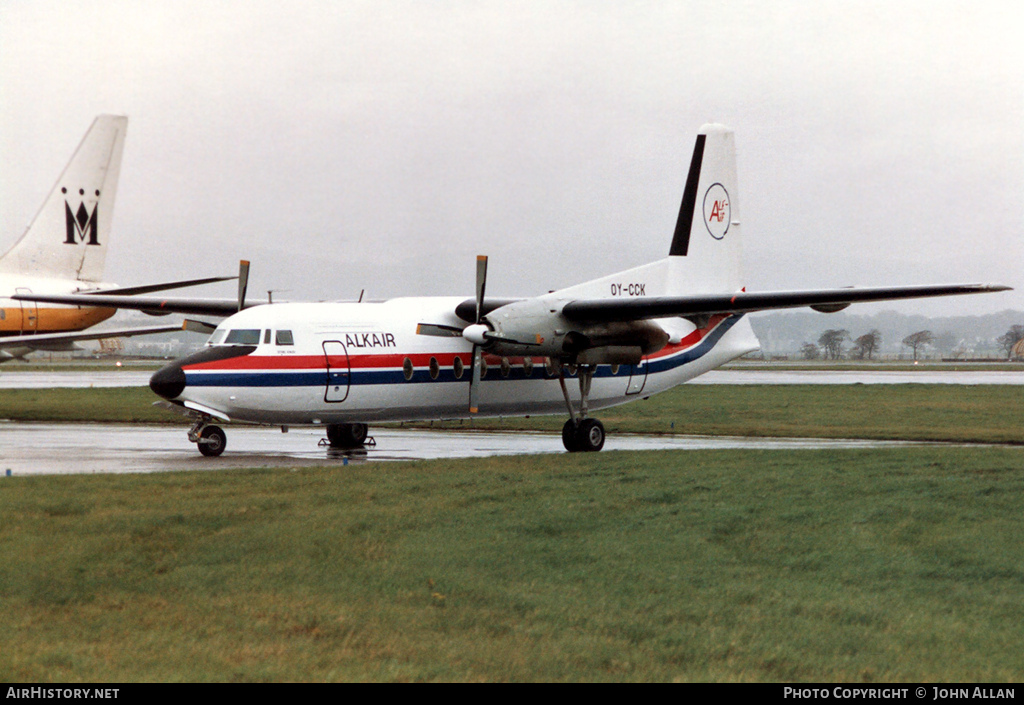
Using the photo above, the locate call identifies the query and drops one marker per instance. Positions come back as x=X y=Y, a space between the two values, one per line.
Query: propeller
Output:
x=478 y=352
x=190 y=324
x=243 y=282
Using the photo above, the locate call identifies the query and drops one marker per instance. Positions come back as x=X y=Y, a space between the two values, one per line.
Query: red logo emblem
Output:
x=717 y=211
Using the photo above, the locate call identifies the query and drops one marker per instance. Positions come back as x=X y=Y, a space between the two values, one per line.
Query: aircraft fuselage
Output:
x=330 y=363
x=27 y=318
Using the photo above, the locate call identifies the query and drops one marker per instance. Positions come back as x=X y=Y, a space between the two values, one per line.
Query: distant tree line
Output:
x=830 y=343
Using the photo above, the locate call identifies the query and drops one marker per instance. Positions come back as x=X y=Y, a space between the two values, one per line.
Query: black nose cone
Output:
x=168 y=381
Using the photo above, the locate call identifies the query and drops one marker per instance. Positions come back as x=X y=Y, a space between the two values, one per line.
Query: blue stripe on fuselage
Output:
x=318 y=378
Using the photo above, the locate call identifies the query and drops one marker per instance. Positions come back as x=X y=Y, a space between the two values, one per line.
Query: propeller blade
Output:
x=481 y=284
x=198 y=326
x=438 y=330
x=478 y=353
x=243 y=282
x=474 y=382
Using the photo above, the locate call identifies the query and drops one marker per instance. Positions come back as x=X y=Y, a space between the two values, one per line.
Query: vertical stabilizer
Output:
x=69 y=236
x=706 y=251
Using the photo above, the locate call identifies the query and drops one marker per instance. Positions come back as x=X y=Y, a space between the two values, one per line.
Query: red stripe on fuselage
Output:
x=393 y=360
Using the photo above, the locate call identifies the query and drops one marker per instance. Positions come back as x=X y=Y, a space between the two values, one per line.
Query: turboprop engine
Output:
x=537 y=327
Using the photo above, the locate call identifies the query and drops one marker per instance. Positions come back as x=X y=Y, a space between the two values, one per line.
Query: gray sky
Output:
x=382 y=145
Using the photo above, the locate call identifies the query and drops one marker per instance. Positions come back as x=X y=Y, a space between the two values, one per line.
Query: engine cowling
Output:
x=537 y=327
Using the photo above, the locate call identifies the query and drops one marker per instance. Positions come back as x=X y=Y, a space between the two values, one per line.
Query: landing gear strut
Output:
x=347 y=435
x=581 y=433
x=210 y=439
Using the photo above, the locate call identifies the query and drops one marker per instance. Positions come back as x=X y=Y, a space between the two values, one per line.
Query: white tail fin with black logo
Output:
x=68 y=237
x=706 y=253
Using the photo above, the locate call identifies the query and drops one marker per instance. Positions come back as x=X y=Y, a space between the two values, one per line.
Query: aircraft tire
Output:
x=347 y=435
x=569 y=437
x=212 y=441
x=590 y=436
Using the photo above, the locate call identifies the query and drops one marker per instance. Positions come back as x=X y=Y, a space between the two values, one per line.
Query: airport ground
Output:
x=915 y=412
x=766 y=565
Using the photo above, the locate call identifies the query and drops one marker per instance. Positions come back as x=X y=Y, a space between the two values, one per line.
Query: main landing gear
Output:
x=347 y=435
x=581 y=434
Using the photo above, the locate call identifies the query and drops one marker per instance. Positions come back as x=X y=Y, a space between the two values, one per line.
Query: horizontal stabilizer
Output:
x=637 y=309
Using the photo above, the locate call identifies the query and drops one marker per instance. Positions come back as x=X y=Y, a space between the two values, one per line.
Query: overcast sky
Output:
x=381 y=145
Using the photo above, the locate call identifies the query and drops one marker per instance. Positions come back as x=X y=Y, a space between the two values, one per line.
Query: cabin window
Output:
x=243 y=336
x=458 y=367
x=3 y=314
x=615 y=369
x=483 y=367
x=407 y=369
x=528 y=366
x=266 y=337
x=435 y=369
x=284 y=337
x=506 y=367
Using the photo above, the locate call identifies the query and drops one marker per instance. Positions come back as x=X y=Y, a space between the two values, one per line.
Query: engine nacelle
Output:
x=537 y=327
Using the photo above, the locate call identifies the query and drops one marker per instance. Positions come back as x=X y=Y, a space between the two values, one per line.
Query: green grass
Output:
x=932 y=412
x=920 y=412
x=102 y=405
x=875 y=565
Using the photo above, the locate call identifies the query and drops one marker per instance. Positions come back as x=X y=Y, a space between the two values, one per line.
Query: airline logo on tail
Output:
x=81 y=225
x=717 y=212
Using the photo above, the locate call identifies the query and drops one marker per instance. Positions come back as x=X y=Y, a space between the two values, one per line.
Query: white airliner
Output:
x=622 y=337
x=63 y=251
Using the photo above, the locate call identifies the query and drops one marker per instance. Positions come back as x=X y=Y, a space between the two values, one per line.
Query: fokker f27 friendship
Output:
x=63 y=251
x=622 y=337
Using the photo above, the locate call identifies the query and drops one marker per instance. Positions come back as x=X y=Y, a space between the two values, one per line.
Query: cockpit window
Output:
x=284 y=337
x=218 y=337
x=243 y=336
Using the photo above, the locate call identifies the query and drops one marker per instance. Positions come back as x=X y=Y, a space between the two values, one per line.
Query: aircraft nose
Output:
x=168 y=381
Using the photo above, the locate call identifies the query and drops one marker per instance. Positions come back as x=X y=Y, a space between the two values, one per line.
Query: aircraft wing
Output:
x=824 y=300
x=44 y=340
x=149 y=304
x=150 y=288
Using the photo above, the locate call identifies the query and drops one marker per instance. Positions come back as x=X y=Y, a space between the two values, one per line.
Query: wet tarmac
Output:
x=35 y=449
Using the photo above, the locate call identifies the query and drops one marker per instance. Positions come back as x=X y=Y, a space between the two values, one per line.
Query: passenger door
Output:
x=338 y=371
x=29 y=312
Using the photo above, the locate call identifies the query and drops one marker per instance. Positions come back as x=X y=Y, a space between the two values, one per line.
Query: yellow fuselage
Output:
x=26 y=317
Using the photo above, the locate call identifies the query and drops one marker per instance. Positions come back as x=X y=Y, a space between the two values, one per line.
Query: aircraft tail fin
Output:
x=705 y=257
x=706 y=252
x=68 y=237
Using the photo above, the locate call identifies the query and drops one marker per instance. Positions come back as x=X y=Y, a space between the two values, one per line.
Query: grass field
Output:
x=880 y=565
x=796 y=566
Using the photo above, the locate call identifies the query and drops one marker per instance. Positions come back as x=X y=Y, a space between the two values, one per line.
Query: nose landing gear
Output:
x=210 y=439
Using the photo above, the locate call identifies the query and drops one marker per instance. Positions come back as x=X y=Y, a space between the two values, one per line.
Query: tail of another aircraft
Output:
x=69 y=236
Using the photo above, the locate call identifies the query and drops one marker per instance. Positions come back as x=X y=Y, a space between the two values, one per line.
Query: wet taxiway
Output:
x=35 y=448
